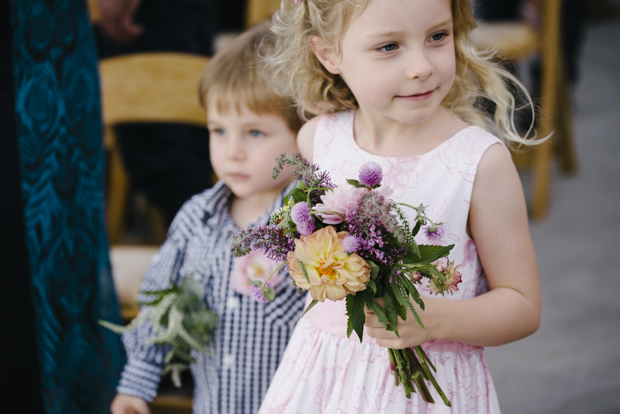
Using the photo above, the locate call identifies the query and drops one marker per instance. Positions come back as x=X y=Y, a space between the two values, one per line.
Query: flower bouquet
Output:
x=353 y=242
x=180 y=318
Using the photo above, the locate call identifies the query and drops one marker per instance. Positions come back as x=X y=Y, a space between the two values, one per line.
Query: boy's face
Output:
x=243 y=149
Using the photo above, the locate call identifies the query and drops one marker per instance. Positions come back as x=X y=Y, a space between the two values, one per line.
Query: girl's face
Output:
x=243 y=149
x=397 y=57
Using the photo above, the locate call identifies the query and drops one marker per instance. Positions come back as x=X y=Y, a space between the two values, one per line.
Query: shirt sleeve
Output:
x=145 y=360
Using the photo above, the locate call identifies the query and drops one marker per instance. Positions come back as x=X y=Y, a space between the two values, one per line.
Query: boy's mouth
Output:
x=237 y=176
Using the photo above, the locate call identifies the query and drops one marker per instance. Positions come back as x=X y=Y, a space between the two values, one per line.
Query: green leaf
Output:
x=303 y=270
x=297 y=195
x=191 y=285
x=269 y=294
x=301 y=185
x=431 y=253
x=379 y=311
x=355 y=183
x=391 y=311
x=411 y=290
x=374 y=269
x=416 y=228
x=310 y=306
x=255 y=282
x=355 y=312
x=401 y=308
x=372 y=286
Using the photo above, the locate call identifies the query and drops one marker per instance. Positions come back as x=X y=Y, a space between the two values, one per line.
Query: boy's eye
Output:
x=390 y=47
x=256 y=133
x=217 y=131
x=438 y=36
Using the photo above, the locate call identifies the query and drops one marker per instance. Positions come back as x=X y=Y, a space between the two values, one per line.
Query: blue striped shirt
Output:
x=249 y=337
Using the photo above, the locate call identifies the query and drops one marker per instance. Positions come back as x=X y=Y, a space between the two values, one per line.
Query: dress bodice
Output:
x=441 y=179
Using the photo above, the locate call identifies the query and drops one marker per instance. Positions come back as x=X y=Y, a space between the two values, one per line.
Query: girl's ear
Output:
x=324 y=52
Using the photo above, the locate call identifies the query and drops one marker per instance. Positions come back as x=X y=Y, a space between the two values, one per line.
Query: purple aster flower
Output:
x=300 y=214
x=350 y=244
x=371 y=174
x=435 y=233
x=257 y=293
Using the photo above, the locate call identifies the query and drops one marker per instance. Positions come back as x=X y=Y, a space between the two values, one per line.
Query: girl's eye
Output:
x=390 y=47
x=256 y=133
x=438 y=36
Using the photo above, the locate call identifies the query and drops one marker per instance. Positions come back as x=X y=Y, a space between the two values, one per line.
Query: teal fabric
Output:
x=58 y=117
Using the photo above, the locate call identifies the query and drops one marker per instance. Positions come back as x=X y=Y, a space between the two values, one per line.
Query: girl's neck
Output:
x=384 y=136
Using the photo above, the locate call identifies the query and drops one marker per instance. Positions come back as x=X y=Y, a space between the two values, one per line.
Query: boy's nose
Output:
x=235 y=150
x=419 y=65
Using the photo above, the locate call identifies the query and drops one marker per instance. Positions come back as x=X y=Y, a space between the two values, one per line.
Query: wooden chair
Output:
x=159 y=87
x=258 y=10
x=515 y=42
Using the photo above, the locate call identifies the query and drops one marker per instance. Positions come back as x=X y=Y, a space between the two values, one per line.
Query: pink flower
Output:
x=253 y=266
x=339 y=201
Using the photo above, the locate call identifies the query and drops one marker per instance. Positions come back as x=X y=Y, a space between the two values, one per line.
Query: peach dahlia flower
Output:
x=333 y=273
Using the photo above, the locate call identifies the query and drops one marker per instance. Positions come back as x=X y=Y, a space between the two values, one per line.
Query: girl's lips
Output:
x=418 y=97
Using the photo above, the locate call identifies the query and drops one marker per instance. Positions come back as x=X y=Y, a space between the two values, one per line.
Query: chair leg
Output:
x=117 y=193
x=565 y=144
x=542 y=176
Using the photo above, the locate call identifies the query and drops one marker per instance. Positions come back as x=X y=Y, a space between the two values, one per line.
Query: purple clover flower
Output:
x=257 y=293
x=435 y=233
x=350 y=244
x=300 y=214
x=371 y=174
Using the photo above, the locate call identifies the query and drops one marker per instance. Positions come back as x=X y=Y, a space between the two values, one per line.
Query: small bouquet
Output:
x=180 y=318
x=354 y=243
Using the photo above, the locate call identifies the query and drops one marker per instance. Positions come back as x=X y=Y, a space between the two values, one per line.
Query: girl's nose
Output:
x=419 y=65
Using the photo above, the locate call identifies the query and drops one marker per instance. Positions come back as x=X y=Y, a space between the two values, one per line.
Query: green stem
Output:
x=272 y=273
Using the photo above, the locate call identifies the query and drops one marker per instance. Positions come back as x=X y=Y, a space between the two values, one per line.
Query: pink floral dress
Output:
x=323 y=371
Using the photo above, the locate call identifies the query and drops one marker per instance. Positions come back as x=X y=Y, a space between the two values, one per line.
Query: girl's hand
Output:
x=128 y=404
x=411 y=334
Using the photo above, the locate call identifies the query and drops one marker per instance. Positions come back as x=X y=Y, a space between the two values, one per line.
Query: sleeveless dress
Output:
x=323 y=371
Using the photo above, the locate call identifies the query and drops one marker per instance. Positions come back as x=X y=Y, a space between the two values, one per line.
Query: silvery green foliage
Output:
x=180 y=318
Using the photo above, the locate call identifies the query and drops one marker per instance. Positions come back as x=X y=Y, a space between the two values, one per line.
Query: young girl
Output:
x=398 y=82
x=249 y=127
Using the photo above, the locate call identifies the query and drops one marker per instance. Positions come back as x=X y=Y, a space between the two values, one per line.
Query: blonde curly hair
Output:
x=297 y=74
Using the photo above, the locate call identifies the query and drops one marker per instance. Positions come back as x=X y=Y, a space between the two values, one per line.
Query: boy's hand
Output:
x=128 y=404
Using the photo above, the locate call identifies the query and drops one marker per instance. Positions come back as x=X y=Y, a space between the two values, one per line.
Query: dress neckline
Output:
x=351 y=121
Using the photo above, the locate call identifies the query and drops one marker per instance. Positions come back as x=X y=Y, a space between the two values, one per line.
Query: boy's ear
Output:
x=324 y=52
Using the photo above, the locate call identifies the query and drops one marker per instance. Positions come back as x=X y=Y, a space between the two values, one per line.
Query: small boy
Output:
x=249 y=127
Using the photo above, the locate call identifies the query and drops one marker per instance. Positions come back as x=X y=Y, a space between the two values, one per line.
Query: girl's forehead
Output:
x=384 y=16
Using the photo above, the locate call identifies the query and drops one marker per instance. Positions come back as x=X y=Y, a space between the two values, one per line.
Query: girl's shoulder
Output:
x=321 y=124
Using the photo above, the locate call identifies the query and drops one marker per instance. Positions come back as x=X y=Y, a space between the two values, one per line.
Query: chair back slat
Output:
x=152 y=87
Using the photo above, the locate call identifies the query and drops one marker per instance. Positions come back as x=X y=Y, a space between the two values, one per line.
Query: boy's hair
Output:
x=234 y=77
x=297 y=73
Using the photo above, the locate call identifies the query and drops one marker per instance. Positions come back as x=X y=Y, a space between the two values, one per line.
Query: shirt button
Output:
x=228 y=360
x=232 y=303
